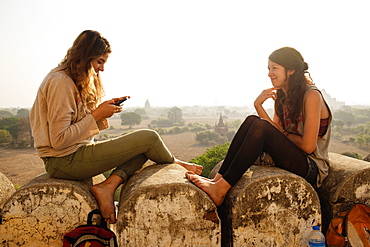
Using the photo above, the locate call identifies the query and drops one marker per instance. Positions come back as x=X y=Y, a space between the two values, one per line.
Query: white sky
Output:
x=191 y=52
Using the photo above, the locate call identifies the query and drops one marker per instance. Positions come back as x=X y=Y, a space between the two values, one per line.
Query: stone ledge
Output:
x=160 y=207
x=39 y=213
x=6 y=189
x=269 y=206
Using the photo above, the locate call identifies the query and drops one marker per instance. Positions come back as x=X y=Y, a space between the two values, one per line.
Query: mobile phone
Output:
x=121 y=101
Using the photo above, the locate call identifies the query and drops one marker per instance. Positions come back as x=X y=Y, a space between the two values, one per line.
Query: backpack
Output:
x=91 y=234
x=350 y=228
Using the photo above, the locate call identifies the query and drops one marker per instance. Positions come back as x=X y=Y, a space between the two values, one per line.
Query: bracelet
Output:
x=286 y=132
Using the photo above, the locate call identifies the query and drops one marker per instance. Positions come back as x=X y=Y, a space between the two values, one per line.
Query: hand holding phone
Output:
x=121 y=101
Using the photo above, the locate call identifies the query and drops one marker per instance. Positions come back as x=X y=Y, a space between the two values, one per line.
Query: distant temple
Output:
x=147 y=104
x=332 y=102
x=221 y=128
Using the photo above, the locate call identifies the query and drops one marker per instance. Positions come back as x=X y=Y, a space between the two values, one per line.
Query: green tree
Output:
x=5 y=136
x=235 y=124
x=175 y=116
x=230 y=135
x=142 y=113
x=211 y=158
x=7 y=122
x=15 y=131
x=5 y=114
x=161 y=122
x=130 y=118
x=178 y=130
x=347 y=117
x=23 y=113
x=360 y=140
x=367 y=139
x=26 y=132
x=338 y=123
x=19 y=129
x=210 y=138
x=198 y=128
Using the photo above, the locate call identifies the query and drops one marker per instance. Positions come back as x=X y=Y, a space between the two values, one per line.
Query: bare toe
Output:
x=197 y=169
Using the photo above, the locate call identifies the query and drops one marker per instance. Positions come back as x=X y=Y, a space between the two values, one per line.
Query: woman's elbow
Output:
x=309 y=149
x=58 y=147
x=59 y=144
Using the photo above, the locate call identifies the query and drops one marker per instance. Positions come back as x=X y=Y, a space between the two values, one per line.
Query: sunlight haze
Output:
x=185 y=53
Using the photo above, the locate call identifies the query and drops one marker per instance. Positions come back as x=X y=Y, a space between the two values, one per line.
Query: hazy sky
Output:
x=192 y=52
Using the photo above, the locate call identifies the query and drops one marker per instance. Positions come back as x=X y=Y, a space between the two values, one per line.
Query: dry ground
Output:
x=21 y=165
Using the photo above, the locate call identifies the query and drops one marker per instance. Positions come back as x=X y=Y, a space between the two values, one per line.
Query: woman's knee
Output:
x=263 y=127
x=249 y=120
x=147 y=134
x=262 y=123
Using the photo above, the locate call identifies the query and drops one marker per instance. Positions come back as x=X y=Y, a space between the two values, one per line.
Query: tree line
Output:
x=350 y=125
x=15 y=129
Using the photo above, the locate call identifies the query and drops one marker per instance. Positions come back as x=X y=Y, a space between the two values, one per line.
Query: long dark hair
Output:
x=89 y=45
x=291 y=59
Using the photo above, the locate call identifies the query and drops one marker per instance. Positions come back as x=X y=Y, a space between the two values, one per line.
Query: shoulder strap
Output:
x=100 y=221
x=335 y=235
x=358 y=224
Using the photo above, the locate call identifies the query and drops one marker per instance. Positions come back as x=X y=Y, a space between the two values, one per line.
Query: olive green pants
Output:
x=126 y=154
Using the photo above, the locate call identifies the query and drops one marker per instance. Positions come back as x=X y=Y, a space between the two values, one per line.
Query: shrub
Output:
x=178 y=130
x=211 y=158
x=353 y=155
x=210 y=138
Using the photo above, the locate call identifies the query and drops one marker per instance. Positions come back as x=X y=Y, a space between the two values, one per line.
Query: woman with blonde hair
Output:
x=68 y=113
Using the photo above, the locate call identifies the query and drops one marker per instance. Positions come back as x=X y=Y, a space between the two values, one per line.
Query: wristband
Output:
x=287 y=133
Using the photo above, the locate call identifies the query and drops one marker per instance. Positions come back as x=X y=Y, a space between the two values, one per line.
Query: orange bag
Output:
x=350 y=228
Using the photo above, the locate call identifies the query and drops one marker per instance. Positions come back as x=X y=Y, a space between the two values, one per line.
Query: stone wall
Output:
x=348 y=183
x=269 y=206
x=39 y=213
x=6 y=189
x=160 y=207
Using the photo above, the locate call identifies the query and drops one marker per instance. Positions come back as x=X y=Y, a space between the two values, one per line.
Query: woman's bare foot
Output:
x=215 y=179
x=104 y=194
x=197 y=176
x=197 y=169
x=215 y=190
x=106 y=203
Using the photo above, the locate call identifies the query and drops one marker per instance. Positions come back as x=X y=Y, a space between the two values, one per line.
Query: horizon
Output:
x=187 y=53
x=267 y=105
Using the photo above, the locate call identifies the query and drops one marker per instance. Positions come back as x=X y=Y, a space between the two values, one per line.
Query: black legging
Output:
x=255 y=136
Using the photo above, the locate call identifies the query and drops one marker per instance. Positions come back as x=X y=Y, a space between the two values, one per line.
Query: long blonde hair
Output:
x=89 y=45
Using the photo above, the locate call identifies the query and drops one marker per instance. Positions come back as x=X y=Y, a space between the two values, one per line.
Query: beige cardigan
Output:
x=59 y=123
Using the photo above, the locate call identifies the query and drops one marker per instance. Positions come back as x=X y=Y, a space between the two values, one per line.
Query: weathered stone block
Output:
x=160 y=207
x=39 y=213
x=348 y=182
x=269 y=207
x=6 y=189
